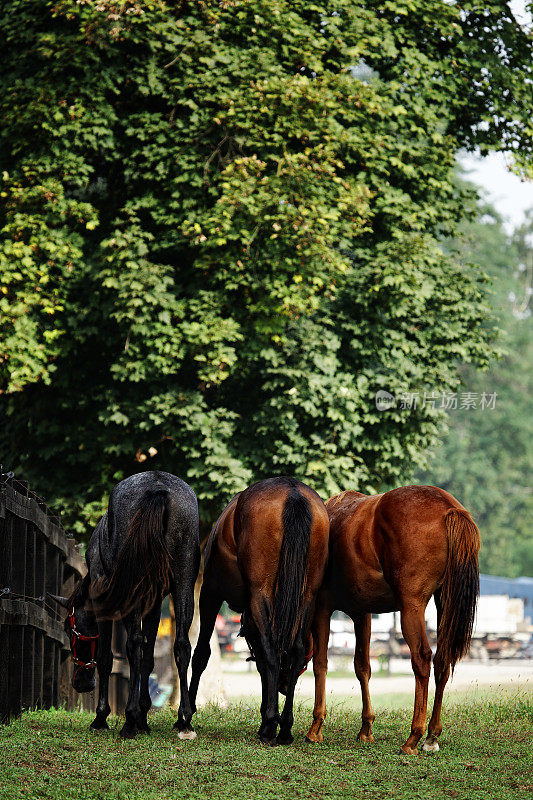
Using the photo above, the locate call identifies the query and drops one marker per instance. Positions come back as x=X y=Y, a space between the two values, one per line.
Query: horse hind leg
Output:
x=296 y=664
x=268 y=665
x=414 y=632
x=320 y=632
x=183 y=599
x=362 y=627
x=150 y=625
x=442 y=672
x=132 y=624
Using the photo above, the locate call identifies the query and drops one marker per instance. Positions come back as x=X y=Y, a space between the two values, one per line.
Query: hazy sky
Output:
x=510 y=196
x=507 y=193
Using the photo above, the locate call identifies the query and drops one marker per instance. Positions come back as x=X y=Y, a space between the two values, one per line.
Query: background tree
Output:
x=220 y=235
x=486 y=458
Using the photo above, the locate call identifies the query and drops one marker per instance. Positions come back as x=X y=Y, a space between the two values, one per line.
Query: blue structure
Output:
x=514 y=587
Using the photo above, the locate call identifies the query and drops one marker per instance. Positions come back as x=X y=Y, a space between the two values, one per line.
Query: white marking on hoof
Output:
x=431 y=747
x=188 y=735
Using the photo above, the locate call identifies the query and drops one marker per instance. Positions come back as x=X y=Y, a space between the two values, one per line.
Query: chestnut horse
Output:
x=393 y=552
x=266 y=557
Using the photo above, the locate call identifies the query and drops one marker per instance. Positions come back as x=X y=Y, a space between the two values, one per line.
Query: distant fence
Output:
x=37 y=556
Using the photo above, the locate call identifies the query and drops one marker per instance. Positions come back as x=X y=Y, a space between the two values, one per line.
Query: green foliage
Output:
x=218 y=238
x=486 y=458
x=52 y=755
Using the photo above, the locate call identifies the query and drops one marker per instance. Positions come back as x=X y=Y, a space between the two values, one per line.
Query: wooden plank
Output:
x=57 y=672
x=6 y=552
x=29 y=536
x=41 y=546
x=28 y=661
x=48 y=672
x=52 y=584
x=89 y=700
x=66 y=692
x=38 y=668
x=18 y=555
x=20 y=612
x=16 y=641
x=27 y=508
x=4 y=673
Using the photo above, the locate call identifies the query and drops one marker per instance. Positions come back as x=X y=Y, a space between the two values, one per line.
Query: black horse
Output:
x=145 y=547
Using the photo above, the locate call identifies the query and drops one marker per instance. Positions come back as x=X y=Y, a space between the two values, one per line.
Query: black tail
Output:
x=460 y=589
x=142 y=572
x=290 y=580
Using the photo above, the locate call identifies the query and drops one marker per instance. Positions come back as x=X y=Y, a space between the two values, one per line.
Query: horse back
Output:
x=356 y=579
x=388 y=547
x=411 y=537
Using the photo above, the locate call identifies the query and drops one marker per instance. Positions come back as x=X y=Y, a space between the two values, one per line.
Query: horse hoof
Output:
x=187 y=735
x=99 y=725
x=430 y=747
x=408 y=751
x=128 y=732
x=364 y=737
x=144 y=728
x=268 y=742
x=314 y=738
x=284 y=740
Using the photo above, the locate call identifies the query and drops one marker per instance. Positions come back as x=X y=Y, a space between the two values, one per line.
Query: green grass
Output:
x=485 y=753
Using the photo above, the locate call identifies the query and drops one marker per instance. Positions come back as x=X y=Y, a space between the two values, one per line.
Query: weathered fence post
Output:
x=35 y=557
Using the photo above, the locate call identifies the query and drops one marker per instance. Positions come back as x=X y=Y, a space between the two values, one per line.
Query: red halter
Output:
x=76 y=635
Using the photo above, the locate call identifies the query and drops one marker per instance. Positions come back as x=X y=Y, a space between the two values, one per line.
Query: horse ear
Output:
x=57 y=598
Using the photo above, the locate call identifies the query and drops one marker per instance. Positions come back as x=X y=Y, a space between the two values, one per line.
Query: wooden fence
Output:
x=37 y=556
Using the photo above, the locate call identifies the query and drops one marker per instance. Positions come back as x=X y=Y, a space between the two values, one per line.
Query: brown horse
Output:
x=393 y=552
x=266 y=557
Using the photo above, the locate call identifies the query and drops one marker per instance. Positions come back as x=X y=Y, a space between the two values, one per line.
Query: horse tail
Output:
x=460 y=588
x=290 y=581
x=142 y=572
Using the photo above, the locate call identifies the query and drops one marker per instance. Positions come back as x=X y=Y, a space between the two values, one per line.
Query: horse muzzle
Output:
x=84 y=681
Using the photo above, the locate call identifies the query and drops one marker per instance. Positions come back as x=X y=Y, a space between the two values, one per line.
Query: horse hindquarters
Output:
x=288 y=601
x=456 y=602
x=272 y=533
x=460 y=588
x=302 y=563
x=142 y=572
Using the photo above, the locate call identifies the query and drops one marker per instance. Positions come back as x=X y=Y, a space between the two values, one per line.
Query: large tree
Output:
x=220 y=234
x=486 y=458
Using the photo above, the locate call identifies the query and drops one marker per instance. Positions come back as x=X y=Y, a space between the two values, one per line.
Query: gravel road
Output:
x=469 y=675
